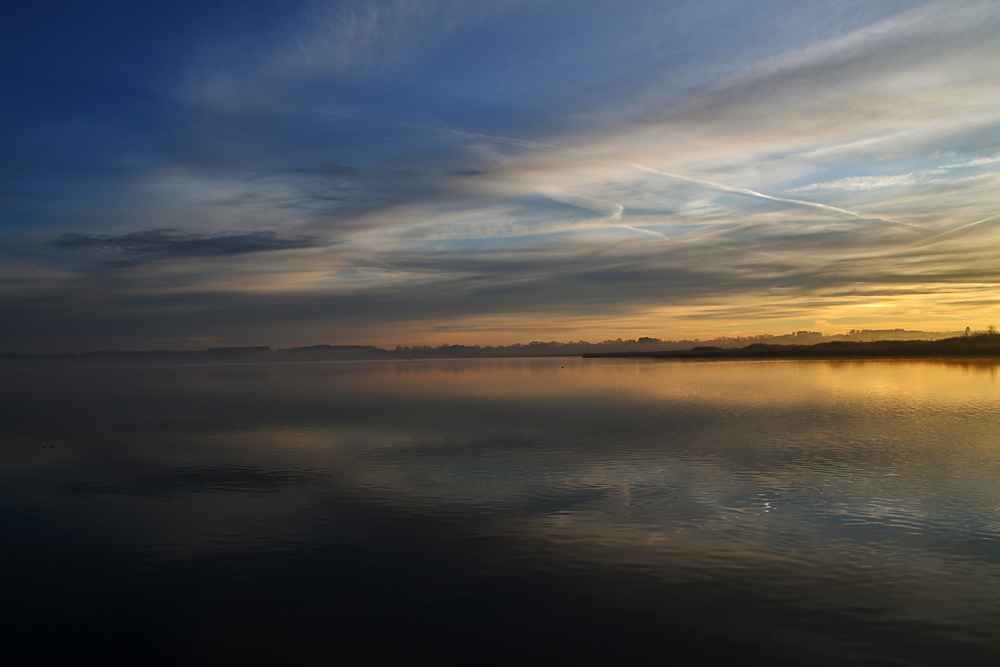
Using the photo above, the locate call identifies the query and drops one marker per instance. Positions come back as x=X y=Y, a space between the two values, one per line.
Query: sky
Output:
x=183 y=175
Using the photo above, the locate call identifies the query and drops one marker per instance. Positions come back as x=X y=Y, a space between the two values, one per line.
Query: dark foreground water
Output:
x=513 y=511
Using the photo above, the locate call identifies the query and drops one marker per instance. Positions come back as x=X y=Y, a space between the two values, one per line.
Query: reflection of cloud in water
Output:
x=165 y=483
x=844 y=491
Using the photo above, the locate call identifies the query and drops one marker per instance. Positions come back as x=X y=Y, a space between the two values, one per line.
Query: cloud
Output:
x=366 y=34
x=939 y=174
x=863 y=183
x=978 y=162
x=351 y=39
x=169 y=243
x=429 y=168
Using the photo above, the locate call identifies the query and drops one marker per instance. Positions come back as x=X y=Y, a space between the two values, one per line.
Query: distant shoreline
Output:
x=982 y=346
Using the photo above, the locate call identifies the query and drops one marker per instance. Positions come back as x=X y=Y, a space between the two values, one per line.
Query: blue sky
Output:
x=183 y=175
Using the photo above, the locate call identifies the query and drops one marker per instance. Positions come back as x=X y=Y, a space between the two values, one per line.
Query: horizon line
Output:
x=419 y=346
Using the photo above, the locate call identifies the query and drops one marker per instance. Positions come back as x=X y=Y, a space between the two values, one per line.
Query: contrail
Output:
x=930 y=240
x=657 y=234
x=959 y=228
x=754 y=193
x=677 y=332
x=524 y=143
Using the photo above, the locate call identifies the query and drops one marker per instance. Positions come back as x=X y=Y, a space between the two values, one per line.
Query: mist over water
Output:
x=496 y=510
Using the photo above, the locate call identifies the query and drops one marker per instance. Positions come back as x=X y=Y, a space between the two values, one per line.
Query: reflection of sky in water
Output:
x=850 y=504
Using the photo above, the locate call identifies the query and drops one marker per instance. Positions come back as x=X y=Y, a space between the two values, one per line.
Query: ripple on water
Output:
x=806 y=513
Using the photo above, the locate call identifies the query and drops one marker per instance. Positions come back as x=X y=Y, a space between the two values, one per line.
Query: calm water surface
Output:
x=498 y=511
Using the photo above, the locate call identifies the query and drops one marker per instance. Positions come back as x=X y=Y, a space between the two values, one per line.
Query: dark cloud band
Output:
x=171 y=243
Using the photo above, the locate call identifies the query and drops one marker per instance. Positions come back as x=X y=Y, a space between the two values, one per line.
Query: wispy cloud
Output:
x=353 y=39
x=357 y=168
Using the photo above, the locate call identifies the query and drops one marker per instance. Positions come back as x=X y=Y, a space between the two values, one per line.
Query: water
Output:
x=502 y=510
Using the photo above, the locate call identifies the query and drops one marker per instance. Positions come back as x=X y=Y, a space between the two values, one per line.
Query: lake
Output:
x=492 y=511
